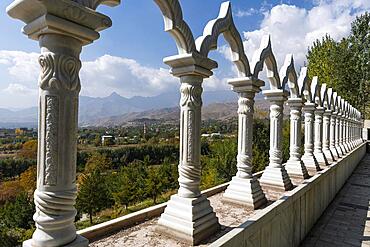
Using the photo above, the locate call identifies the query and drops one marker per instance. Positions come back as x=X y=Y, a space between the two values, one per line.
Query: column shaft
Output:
x=58 y=117
x=245 y=189
x=308 y=157
x=294 y=166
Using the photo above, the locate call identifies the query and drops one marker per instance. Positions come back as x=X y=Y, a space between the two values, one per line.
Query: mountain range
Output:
x=97 y=111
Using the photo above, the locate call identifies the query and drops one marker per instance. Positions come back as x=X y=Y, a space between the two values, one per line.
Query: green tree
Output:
x=345 y=65
x=18 y=213
x=223 y=158
x=93 y=194
x=155 y=183
x=98 y=161
x=359 y=43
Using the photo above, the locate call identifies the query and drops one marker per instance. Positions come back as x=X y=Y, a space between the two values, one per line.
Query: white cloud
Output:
x=19 y=89
x=21 y=66
x=124 y=76
x=293 y=29
x=248 y=12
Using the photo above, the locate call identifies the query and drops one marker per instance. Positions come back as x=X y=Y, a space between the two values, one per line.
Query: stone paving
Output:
x=346 y=222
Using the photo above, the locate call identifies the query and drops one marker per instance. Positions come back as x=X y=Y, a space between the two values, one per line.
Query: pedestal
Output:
x=275 y=179
x=245 y=192
x=190 y=219
x=78 y=242
x=296 y=170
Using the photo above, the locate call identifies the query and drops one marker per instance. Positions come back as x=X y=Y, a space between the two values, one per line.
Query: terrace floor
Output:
x=346 y=222
x=144 y=234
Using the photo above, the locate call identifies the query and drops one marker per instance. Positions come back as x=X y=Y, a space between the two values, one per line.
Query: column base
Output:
x=321 y=158
x=78 y=242
x=274 y=181
x=329 y=156
x=335 y=153
x=189 y=219
x=296 y=170
x=245 y=192
x=347 y=147
x=311 y=164
x=343 y=150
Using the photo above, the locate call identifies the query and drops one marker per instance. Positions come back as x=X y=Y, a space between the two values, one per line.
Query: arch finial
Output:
x=288 y=76
x=264 y=55
x=303 y=83
x=329 y=101
x=315 y=91
x=176 y=26
x=224 y=24
x=323 y=95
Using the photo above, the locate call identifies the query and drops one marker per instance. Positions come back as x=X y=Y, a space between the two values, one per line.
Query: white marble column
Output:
x=275 y=176
x=327 y=136
x=188 y=214
x=333 y=135
x=295 y=166
x=62 y=28
x=342 y=133
x=338 y=134
x=346 y=131
x=351 y=133
x=318 y=153
x=244 y=188
x=308 y=157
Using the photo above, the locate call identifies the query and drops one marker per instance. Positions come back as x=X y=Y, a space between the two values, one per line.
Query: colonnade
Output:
x=332 y=127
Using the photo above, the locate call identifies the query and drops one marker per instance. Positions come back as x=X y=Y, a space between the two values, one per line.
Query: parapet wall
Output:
x=287 y=221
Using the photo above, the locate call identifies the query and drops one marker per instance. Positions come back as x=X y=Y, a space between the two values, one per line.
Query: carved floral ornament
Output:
x=191 y=95
x=59 y=71
x=245 y=105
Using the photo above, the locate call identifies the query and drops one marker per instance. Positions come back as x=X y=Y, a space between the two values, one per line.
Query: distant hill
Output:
x=216 y=111
x=117 y=109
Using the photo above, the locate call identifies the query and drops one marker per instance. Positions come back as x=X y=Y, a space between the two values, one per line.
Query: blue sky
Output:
x=128 y=57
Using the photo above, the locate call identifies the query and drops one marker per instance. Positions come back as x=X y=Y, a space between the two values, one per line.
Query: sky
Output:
x=127 y=59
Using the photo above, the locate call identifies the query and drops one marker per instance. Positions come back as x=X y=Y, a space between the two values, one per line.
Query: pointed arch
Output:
x=224 y=24
x=288 y=76
x=176 y=26
x=94 y=4
x=265 y=56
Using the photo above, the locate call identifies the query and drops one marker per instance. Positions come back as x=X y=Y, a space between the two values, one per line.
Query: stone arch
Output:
x=176 y=26
x=224 y=24
x=288 y=76
x=265 y=56
x=93 y=4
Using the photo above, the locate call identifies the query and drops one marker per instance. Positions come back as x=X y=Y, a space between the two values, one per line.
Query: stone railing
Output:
x=332 y=126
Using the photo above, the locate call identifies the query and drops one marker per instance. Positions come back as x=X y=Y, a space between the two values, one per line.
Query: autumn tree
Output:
x=28 y=179
x=29 y=150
